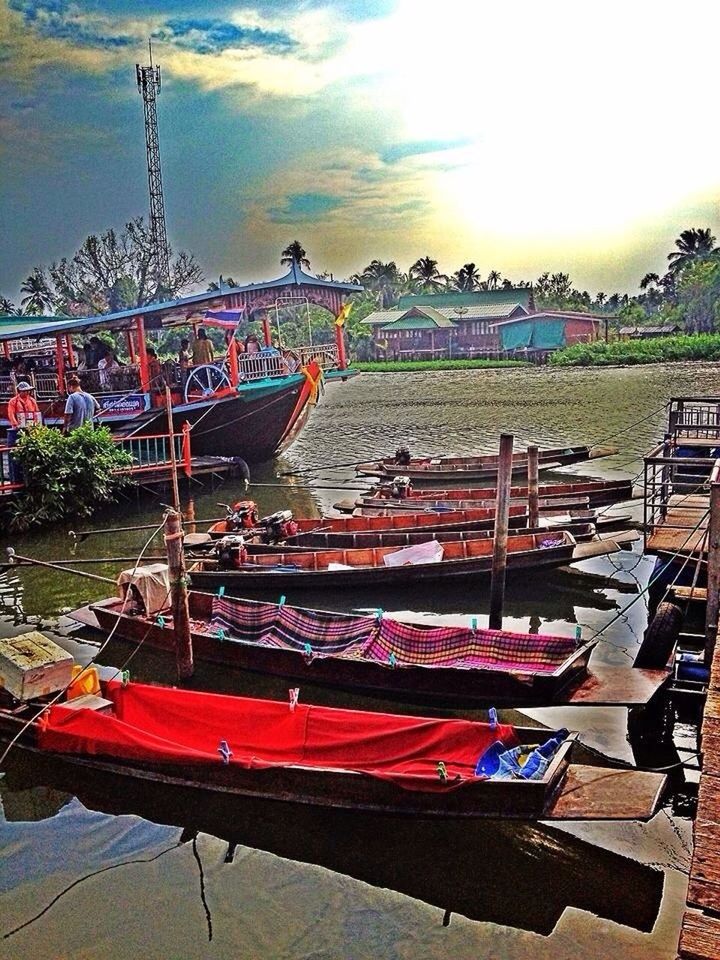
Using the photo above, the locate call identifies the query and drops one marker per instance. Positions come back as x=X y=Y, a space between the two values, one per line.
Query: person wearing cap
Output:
x=22 y=409
x=80 y=407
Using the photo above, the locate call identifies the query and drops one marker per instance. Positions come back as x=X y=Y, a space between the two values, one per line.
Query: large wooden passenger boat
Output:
x=246 y=404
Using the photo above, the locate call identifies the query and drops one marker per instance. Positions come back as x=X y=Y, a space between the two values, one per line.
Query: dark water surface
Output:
x=320 y=885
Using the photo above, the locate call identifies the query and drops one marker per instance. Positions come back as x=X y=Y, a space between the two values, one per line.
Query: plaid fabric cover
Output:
x=461 y=647
x=386 y=641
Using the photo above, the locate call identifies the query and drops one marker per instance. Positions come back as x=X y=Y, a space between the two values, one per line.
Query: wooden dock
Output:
x=700 y=936
x=683 y=529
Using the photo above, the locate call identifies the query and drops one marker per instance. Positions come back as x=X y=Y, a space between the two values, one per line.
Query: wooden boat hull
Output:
x=480 y=467
x=445 y=685
x=563 y=793
x=282 y=574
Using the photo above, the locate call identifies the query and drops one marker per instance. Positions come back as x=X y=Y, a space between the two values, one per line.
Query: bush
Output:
x=66 y=475
x=703 y=346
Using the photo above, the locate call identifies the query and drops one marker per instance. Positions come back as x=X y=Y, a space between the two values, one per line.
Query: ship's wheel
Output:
x=205 y=381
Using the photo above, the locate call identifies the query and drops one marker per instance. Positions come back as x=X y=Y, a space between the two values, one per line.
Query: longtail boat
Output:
x=594 y=493
x=386 y=566
x=209 y=744
x=374 y=653
x=481 y=467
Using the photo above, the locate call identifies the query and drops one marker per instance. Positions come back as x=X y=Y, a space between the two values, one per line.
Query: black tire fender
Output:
x=660 y=637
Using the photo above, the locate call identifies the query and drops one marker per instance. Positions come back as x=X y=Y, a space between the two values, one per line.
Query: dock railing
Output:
x=676 y=481
x=694 y=419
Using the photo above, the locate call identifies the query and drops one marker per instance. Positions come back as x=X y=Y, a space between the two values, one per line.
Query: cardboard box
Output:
x=32 y=665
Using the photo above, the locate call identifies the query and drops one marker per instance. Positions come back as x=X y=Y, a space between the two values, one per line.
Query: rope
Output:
x=100 y=649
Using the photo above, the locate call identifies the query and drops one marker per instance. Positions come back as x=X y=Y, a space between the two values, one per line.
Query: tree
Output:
x=425 y=276
x=221 y=282
x=493 y=280
x=383 y=280
x=294 y=253
x=692 y=245
x=699 y=295
x=467 y=277
x=7 y=307
x=39 y=296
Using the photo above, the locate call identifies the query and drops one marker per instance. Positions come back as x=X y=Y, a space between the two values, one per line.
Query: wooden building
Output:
x=446 y=324
x=538 y=334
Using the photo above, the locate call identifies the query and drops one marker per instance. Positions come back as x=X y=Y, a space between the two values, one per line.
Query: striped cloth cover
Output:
x=292 y=628
x=460 y=647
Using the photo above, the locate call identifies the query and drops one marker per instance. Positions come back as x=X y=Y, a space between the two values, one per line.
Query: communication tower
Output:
x=148 y=82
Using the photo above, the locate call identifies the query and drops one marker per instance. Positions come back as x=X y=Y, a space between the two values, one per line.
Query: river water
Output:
x=300 y=884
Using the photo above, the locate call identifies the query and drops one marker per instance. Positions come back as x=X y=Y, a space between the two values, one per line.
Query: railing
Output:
x=257 y=366
x=324 y=354
x=154 y=451
x=694 y=418
x=669 y=475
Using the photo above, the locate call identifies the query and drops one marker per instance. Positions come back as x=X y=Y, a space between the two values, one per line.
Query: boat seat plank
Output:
x=606 y=793
x=595 y=548
x=618 y=686
x=700 y=936
x=86 y=617
x=689 y=593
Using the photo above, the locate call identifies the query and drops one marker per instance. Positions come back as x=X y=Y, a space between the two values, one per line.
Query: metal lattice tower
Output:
x=148 y=81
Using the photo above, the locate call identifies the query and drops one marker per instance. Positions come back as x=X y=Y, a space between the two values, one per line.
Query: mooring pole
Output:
x=533 y=502
x=171 y=438
x=178 y=594
x=713 y=569
x=502 y=514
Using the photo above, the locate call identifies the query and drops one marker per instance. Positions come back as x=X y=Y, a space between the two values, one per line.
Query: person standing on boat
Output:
x=22 y=409
x=106 y=366
x=80 y=408
x=202 y=349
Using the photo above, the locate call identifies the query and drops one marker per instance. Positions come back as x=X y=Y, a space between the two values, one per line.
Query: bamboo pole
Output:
x=171 y=440
x=533 y=501
x=502 y=516
x=13 y=558
x=713 y=570
x=178 y=594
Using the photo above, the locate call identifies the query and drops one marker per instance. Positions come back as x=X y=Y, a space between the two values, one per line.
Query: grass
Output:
x=701 y=346
x=407 y=366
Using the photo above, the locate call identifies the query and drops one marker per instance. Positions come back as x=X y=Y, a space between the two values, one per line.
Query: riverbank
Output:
x=703 y=346
x=413 y=366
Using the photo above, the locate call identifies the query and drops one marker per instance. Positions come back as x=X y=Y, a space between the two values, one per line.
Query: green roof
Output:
x=521 y=295
x=419 y=318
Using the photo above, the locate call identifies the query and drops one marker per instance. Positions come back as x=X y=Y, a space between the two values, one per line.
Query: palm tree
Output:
x=221 y=282
x=382 y=279
x=425 y=276
x=493 y=280
x=39 y=298
x=7 y=307
x=600 y=299
x=467 y=277
x=294 y=253
x=692 y=245
x=648 y=279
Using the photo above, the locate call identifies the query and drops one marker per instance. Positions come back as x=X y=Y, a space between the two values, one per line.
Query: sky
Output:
x=523 y=135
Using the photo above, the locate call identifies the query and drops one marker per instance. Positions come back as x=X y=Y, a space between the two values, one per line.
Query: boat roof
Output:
x=165 y=313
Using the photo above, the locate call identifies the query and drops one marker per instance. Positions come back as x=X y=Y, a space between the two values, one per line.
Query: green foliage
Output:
x=66 y=475
x=406 y=366
x=699 y=294
x=626 y=352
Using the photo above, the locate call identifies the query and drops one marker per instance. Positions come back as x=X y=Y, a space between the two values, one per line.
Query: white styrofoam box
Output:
x=32 y=665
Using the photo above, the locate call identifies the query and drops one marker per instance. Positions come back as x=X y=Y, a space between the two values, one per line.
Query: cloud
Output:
x=206 y=36
x=400 y=151
x=61 y=20
x=305 y=207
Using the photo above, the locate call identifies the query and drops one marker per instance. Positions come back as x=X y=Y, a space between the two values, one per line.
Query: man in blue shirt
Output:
x=80 y=407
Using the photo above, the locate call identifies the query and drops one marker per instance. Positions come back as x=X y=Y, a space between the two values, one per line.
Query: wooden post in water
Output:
x=502 y=514
x=178 y=594
x=713 y=571
x=171 y=441
x=533 y=502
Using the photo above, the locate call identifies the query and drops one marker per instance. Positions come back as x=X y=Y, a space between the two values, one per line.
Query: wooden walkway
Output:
x=700 y=936
x=676 y=533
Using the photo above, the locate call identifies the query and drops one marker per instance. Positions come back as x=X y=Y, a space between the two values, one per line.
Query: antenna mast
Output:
x=148 y=82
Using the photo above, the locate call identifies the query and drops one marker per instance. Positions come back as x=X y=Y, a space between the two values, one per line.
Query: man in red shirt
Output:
x=22 y=409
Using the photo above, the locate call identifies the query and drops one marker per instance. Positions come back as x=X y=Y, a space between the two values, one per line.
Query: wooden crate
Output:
x=32 y=665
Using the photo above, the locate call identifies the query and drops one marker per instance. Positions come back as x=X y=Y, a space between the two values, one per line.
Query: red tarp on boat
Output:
x=161 y=725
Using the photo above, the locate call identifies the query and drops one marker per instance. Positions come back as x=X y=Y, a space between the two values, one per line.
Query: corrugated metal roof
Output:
x=515 y=295
x=466 y=314
x=420 y=318
x=659 y=328
x=383 y=316
x=552 y=315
